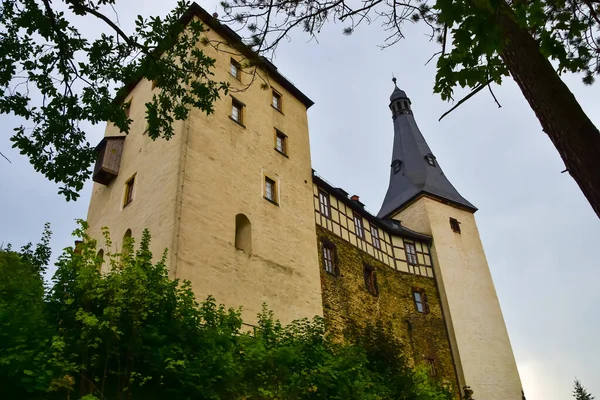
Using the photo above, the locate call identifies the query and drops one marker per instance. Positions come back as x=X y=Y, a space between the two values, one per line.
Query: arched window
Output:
x=243 y=233
x=127 y=243
x=100 y=259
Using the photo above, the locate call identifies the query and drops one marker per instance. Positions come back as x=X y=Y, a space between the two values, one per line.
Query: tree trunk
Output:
x=572 y=132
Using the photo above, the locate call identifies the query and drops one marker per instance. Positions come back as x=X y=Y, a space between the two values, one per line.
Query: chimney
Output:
x=354 y=197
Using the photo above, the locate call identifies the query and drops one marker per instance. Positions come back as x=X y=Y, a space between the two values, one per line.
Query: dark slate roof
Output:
x=416 y=176
x=398 y=94
x=236 y=41
x=391 y=226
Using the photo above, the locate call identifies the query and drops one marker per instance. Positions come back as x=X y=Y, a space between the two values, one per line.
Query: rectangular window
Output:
x=370 y=280
x=280 y=142
x=328 y=258
x=270 y=190
x=129 y=186
x=237 y=111
x=455 y=225
x=411 y=253
x=235 y=69
x=276 y=102
x=375 y=236
x=358 y=226
x=431 y=366
x=420 y=299
x=324 y=204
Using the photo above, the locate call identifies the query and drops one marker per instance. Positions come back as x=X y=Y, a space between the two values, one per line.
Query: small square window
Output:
x=358 y=226
x=280 y=142
x=270 y=190
x=276 y=102
x=370 y=280
x=324 y=204
x=430 y=160
x=129 y=187
x=237 y=111
x=375 y=237
x=420 y=299
x=396 y=166
x=235 y=69
x=411 y=253
x=455 y=225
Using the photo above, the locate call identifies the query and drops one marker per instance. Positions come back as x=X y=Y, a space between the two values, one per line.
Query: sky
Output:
x=538 y=230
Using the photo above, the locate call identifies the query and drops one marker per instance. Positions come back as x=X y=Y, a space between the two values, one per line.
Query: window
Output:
x=243 y=233
x=430 y=159
x=375 y=236
x=276 y=102
x=396 y=166
x=270 y=190
x=280 y=142
x=237 y=111
x=128 y=109
x=100 y=259
x=431 y=366
x=235 y=69
x=329 y=258
x=411 y=253
x=455 y=225
x=370 y=280
x=420 y=299
x=358 y=226
x=324 y=204
x=127 y=243
x=129 y=188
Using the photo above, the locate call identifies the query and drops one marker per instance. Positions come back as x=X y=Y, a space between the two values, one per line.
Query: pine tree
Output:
x=580 y=393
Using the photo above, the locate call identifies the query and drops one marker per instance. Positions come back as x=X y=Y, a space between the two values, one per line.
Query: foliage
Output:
x=56 y=79
x=131 y=332
x=580 y=393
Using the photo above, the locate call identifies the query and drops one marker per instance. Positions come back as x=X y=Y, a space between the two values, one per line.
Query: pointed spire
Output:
x=414 y=168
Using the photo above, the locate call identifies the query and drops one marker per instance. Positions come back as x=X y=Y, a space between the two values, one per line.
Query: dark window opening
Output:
x=235 y=69
x=358 y=226
x=431 y=366
x=237 y=111
x=420 y=300
x=375 y=237
x=129 y=187
x=280 y=142
x=324 y=204
x=270 y=190
x=276 y=101
x=430 y=160
x=370 y=276
x=455 y=225
x=411 y=253
x=243 y=233
x=329 y=258
x=396 y=165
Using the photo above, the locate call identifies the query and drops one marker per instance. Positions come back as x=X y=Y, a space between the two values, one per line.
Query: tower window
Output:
x=243 y=233
x=100 y=259
x=237 y=111
x=127 y=243
x=280 y=142
x=235 y=69
x=324 y=204
x=411 y=253
x=375 y=236
x=396 y=166
x=455 y=225
x=270 y=190
x=129 y=187
x=430 y=159
x=420 y=299
x=358 y=226
x=370 y=276
x=329 y=258
x=276 y=100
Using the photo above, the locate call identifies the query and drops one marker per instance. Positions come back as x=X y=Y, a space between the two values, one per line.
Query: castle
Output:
x=246 y=219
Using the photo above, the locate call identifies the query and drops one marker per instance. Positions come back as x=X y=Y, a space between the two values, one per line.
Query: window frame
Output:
x=329 y=261
x=455 y=225
x=422 y=300
x=129 y=191
x=276 y=95
x=238 y=69
x=370 y=278
x=273 y=183
x=283 y=137
x=414 y=261
x=396 y=166
x=235 y=103
x=430 y=160
x=375 y=237
x=431 y=364
x=359 y=228
x=324 y=204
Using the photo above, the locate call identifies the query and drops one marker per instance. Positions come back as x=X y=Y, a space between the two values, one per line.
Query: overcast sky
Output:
x=539 y=232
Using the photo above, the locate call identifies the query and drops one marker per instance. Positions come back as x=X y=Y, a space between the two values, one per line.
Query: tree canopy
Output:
x=131 y=332
x=580 y=393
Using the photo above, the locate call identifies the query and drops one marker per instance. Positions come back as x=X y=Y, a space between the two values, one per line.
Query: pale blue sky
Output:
x=539 y=232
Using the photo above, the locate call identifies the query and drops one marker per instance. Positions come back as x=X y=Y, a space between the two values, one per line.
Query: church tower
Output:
x=423 y=199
